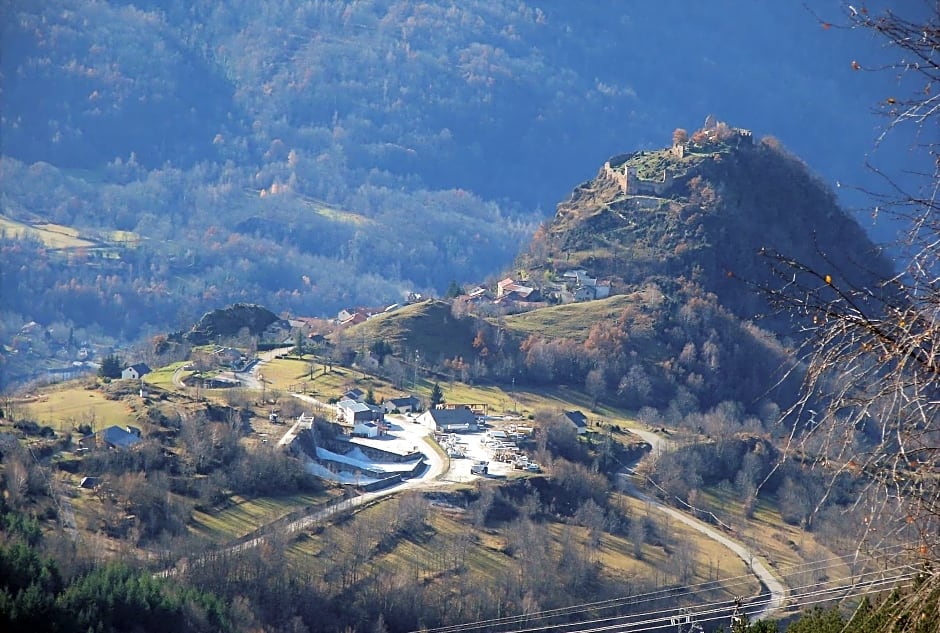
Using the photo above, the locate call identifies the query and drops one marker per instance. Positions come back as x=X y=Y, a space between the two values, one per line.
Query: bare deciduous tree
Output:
x=871 y=397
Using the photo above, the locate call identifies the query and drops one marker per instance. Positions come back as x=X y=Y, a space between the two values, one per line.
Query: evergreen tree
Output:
x=110 y=367
x=453 y=290
x=437 y=396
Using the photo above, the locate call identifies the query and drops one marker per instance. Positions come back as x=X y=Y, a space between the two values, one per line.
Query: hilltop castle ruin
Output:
x=713 y=132
x=632 y=185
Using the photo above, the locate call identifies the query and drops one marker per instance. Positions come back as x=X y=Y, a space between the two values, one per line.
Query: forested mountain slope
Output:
x=319 y=155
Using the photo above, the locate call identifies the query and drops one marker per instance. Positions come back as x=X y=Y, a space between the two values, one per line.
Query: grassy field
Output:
x=51 y=235
x=712 y=560
x=128 y=238
x=449 y=537
x=281 y=373
x=293 y=374
x=336 y=214
x=162 y=377
x=242 y=515
x=783 y=546
x=428 y=326
x=571 y=320
x=67 y=407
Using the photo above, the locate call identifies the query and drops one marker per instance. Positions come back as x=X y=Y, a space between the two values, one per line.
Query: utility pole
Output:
x=414 y=382
x=739 y=618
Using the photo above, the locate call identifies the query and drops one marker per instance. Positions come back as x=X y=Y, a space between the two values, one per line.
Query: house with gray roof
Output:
x=578 y=419
x=402 y=404
x=135 y=372
x=351 y=412
x=120 y=437
x=449 y=420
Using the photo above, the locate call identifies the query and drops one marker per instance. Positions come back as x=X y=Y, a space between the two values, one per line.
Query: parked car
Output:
x=479 y=468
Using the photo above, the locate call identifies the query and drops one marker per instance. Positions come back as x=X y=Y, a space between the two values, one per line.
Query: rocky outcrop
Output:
x=228 y=322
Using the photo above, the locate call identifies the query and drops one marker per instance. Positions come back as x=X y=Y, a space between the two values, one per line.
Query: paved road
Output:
x=430 y=478
x=250 y=377
x=778 y=592
x=437 y=467
x=177 y=381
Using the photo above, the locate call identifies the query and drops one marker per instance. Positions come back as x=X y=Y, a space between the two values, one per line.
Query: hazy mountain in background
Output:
x=314 y=155
x=510 y=91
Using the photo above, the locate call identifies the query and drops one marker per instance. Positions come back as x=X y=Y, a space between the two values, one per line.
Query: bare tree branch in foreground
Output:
x=871 y=357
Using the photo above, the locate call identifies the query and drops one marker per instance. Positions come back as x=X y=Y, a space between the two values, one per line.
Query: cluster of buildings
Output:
x=513 y=295
x=509 y=295
x=353 y=316
x=576 y=285
x=368 y=420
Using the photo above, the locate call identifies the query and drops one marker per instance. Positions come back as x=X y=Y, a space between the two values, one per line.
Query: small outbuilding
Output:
x=366 y=429
x=354 y=394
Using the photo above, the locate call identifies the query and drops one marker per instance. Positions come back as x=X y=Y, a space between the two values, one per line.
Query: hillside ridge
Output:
x=704 y=209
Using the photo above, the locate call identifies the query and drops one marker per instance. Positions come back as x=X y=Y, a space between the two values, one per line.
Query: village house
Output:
x=477 y=292
x=354 y=394
x=579 y=286
x=350 y=412
x=299 y=323
x=578 y=420
x=402 y=404
x=353 y=319
x=507 y=288
x=347 y=316
x=277 y=332
x=120 y=437
x=581 y=293
x=228 y=356
x=135 y=372
x=449 y=420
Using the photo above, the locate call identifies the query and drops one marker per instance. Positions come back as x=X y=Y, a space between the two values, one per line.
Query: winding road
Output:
x=437 y=468
x=777 y=590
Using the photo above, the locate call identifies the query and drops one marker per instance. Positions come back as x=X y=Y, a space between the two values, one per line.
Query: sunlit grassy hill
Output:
x=428 y=326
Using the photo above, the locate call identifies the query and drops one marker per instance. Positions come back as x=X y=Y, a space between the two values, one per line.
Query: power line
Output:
x=792 y=570
x=718 y=610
